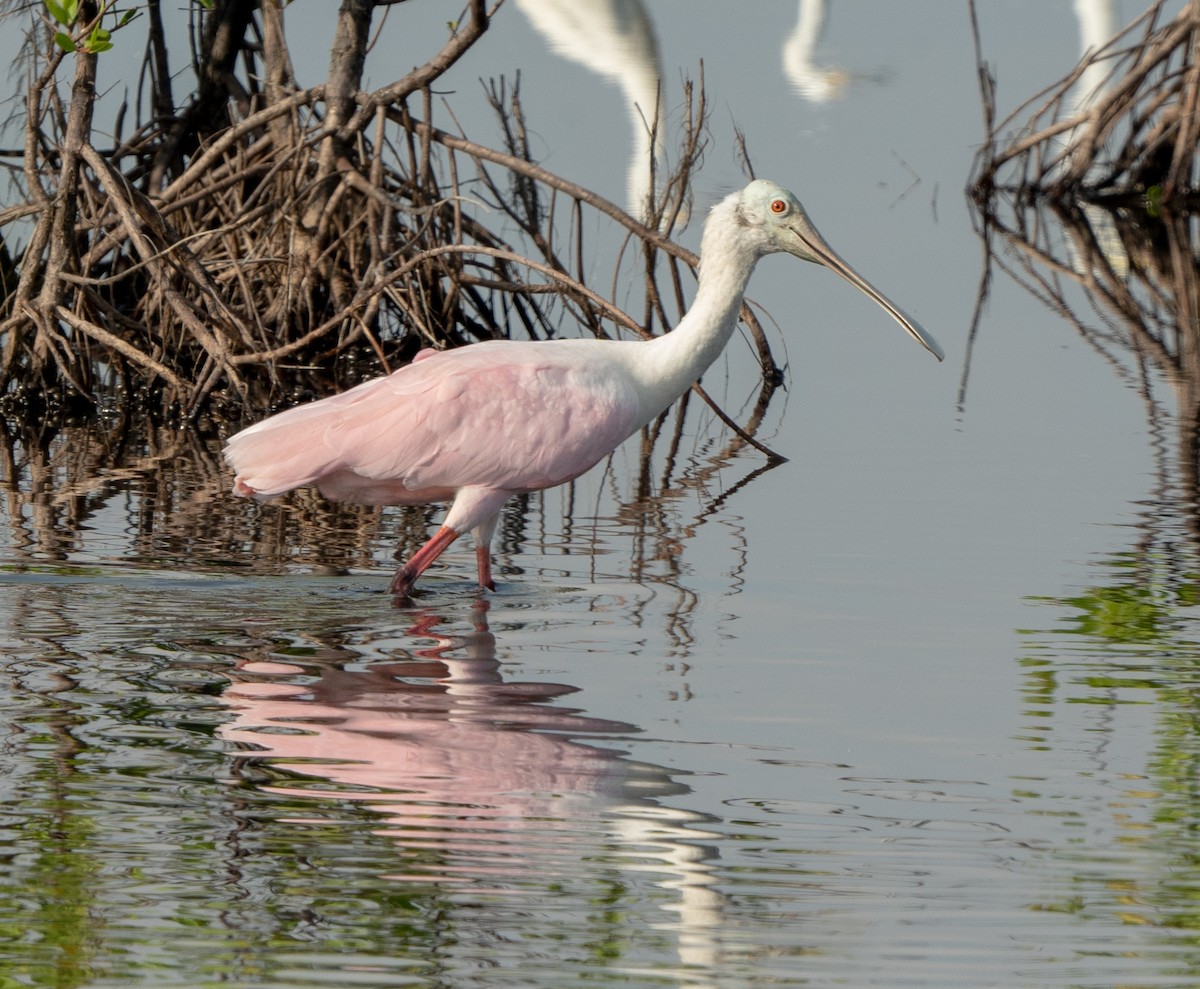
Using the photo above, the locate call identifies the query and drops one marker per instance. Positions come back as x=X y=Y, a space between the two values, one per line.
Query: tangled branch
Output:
x=1123 y=124
x=261 y=241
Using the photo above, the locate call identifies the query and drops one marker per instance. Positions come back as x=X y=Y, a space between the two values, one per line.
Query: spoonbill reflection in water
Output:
x=476 y=425
x=479 y=782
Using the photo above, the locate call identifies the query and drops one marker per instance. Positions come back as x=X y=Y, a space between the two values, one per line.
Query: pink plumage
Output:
x=416 y=436
x=475 y=426
x=413 y=436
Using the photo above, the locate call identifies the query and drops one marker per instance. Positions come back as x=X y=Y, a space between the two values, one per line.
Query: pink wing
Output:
x=503 y=415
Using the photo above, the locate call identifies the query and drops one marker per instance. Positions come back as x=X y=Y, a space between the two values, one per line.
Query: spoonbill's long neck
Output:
x=674 y=361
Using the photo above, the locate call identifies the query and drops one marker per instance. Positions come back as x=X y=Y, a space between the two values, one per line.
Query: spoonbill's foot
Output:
x=402 y=583
x=406 y=576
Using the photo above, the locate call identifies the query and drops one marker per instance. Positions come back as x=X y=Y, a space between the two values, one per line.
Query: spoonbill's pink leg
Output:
x=483 y=559
x=406 y=576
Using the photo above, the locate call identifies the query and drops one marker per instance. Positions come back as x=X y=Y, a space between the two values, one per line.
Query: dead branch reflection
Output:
x=1127 y=284
x=1089 y=202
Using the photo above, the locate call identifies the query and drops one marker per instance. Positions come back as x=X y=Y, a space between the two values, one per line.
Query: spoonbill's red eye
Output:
x=778 y=206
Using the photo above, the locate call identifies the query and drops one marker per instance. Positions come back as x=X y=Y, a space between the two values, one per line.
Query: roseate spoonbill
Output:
x=476 y=425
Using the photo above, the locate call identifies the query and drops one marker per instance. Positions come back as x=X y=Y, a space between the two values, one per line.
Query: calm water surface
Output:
x=917 y=708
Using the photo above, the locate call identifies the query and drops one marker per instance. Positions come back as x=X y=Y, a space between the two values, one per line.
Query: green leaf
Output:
x=98 y=40
x=63 y=11
x=1154 y=200
x=64 y=41
x=56 y=11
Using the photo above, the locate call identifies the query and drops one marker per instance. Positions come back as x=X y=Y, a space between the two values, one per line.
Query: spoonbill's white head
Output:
x=770 y=219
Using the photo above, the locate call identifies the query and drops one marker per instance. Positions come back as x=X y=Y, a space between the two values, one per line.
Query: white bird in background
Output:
x=1097 y=25
x=814 y=82
x=615 y=39
x=476 y=425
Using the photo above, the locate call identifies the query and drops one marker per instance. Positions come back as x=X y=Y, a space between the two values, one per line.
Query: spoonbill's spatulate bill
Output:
x=476 y=425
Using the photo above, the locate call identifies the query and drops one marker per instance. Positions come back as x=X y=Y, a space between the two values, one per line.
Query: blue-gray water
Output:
x=916 y=708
